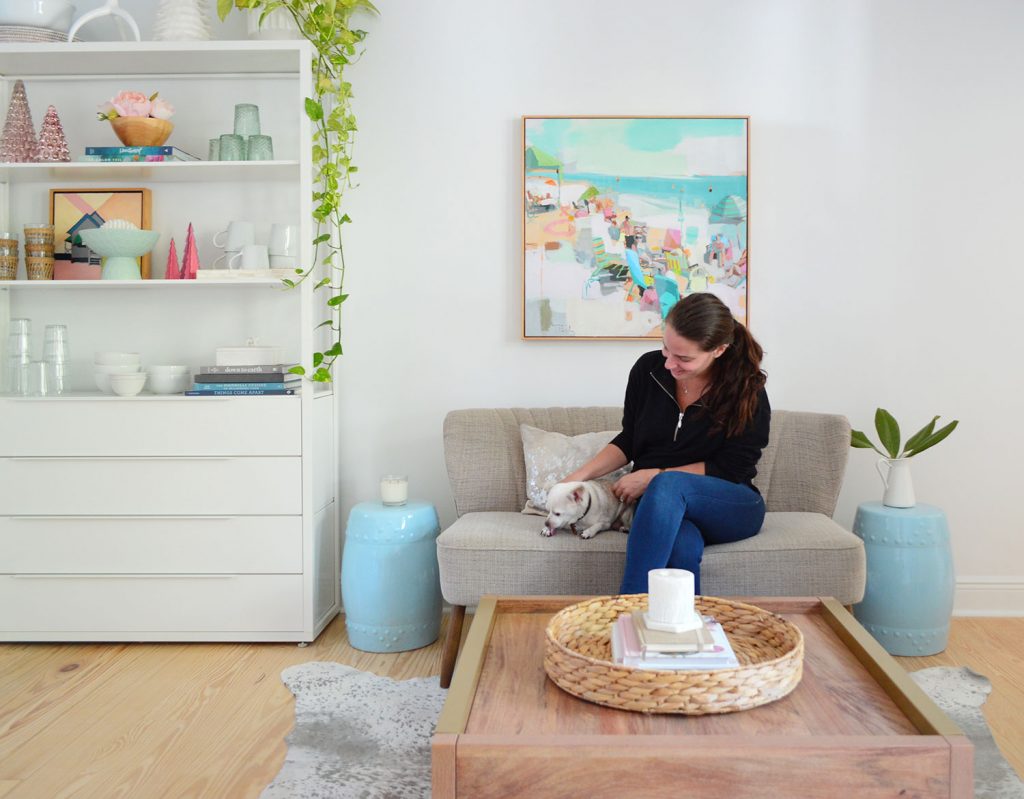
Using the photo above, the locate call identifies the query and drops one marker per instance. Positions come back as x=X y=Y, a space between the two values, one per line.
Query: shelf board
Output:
x=162 y=285
x=41 y=60
x=71 y=396
x=153 y=172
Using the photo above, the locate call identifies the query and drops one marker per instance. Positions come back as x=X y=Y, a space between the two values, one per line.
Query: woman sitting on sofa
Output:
x=695 y=421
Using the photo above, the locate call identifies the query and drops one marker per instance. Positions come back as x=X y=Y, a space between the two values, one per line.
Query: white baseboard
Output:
x=989 y=596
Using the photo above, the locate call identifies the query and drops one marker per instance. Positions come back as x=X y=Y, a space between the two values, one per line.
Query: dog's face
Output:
x=566 y=503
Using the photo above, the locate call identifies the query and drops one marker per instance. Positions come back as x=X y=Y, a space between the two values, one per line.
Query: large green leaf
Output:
x=888 y=432
x=861 y=441
x=915 y=440
x=935 y=437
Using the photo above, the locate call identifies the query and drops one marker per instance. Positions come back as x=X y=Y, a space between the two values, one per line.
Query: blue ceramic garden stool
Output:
x=908 y=598
x=389 y=578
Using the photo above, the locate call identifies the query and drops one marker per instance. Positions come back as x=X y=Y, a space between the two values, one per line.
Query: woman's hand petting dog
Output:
x=630 y=487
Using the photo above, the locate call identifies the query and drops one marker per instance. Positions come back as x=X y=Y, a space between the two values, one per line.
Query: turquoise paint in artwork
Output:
x=622 y=201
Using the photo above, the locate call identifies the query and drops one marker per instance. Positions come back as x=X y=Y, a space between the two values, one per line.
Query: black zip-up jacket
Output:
x=656 y=434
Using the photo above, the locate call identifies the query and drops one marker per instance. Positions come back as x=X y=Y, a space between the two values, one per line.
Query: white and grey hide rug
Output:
x=960 y=693
x=357 y=735
x=360 y=736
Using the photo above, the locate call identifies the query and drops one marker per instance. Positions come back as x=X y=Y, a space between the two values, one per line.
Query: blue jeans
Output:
x=680 y=512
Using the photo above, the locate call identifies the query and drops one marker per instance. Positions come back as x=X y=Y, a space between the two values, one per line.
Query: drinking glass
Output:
x=39 y=233
x=18 y=349
x=247 y=119
x=38 y=379
x=55 y=354
x=214 y=154
x=260 y=148
x=232 y=147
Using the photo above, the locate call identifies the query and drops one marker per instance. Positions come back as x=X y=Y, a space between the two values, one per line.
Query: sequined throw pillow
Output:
x=551 y=456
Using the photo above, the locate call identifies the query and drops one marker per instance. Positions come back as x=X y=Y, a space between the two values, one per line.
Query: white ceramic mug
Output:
x=283 y=261
x=226 y=258
x=252 y=256
x=236 y=236
x=284 y=239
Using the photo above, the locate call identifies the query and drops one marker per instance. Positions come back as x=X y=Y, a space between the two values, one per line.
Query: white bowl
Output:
x=163 y=369
x=53 y=14
x=169 y=383
x=115 y=368
x=128 y=385
x=110 y=358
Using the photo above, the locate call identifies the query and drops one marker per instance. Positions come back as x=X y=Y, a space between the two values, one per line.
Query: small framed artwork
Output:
x=624 y=216
x=74 y=210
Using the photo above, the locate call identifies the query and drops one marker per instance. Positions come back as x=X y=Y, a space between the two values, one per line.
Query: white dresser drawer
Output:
x=151 y=426
x=113 y=608
x=150 y=486
x=151 y=544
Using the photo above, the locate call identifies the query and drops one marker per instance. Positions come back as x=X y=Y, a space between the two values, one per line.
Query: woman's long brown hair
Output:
x=736 y=377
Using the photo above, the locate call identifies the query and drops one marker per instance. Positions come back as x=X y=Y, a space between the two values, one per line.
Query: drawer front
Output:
x=151 y=426
x=151 y=545
x=150 y=486
x=104 y=603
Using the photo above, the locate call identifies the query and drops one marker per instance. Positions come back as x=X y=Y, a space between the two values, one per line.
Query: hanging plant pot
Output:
x=141 y=131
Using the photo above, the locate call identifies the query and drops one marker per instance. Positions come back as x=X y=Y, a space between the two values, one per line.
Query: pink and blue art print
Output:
x=624 y=216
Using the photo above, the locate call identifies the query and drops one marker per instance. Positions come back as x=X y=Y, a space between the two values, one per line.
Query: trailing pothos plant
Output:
x=325 y=23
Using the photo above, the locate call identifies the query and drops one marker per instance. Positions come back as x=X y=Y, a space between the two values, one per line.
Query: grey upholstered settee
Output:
x=493 y=548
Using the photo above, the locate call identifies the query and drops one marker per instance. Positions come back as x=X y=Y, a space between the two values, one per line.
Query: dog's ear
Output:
x=577 y=494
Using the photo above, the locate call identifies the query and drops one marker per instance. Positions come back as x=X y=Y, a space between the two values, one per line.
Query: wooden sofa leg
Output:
x=452 y=640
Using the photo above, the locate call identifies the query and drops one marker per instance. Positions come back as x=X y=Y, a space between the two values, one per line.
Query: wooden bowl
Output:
x=141 y=131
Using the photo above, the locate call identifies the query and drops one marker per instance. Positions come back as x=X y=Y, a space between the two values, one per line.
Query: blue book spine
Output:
x=233 y=386
x=241 y=393
x=161 y=150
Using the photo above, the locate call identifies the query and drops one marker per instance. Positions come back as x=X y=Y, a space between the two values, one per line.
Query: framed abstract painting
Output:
x=74 y=210
x=624 y=216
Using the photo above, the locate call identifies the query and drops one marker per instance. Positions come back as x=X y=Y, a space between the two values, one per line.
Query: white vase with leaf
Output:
x=894 y=465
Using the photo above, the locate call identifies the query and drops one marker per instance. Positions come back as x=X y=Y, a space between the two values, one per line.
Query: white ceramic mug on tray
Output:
x=235 y=236
x=252 y=256
x=284 y=239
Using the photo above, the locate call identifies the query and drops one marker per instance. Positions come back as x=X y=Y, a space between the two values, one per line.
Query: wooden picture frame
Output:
x=624 y=216
x=71 y=209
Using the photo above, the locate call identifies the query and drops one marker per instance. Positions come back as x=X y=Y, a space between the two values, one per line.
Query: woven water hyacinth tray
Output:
x=578 y=660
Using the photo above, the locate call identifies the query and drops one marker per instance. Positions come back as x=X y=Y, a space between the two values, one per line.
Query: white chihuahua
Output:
x=590 y=506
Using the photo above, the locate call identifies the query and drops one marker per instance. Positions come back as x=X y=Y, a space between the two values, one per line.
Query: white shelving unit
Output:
x=168 y=518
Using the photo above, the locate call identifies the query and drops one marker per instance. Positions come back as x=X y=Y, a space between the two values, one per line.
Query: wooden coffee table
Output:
x=856 y=726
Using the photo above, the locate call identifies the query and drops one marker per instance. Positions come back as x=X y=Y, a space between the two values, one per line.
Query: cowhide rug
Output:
x=360 y=736
x=357 y=735
x=960 y=693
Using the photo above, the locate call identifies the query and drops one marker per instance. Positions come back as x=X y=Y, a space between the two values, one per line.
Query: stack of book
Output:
x=162 y=153
x=266 y=379
x=635 y=644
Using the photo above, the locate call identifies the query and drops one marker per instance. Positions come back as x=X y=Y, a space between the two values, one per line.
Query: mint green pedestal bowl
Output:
x=121 y=250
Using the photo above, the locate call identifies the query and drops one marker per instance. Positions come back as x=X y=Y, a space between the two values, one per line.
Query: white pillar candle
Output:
x=670 y=599
x=394 y=489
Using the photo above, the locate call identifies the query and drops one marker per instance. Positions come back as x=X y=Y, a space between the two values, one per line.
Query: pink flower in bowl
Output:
x=135 y=104
x=161 y=109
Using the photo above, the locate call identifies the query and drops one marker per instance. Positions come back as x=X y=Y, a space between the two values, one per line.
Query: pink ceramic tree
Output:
x=53 y=146
x=173 y=271
x=190 y=263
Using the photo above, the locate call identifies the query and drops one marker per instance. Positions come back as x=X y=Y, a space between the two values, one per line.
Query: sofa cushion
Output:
x=500 y=552
x=550 y=456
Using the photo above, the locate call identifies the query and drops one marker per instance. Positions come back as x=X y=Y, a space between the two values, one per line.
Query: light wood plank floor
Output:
x=191 y=720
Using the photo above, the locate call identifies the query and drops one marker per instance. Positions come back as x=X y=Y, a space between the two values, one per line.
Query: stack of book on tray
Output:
x=265 y=379
x=162 y=153
x=635 y=644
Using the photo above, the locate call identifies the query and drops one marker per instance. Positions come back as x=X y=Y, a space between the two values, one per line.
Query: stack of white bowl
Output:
x=118 y=373
x=169 y=379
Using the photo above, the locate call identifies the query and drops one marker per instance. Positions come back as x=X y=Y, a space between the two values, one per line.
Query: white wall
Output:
x=886 y=172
